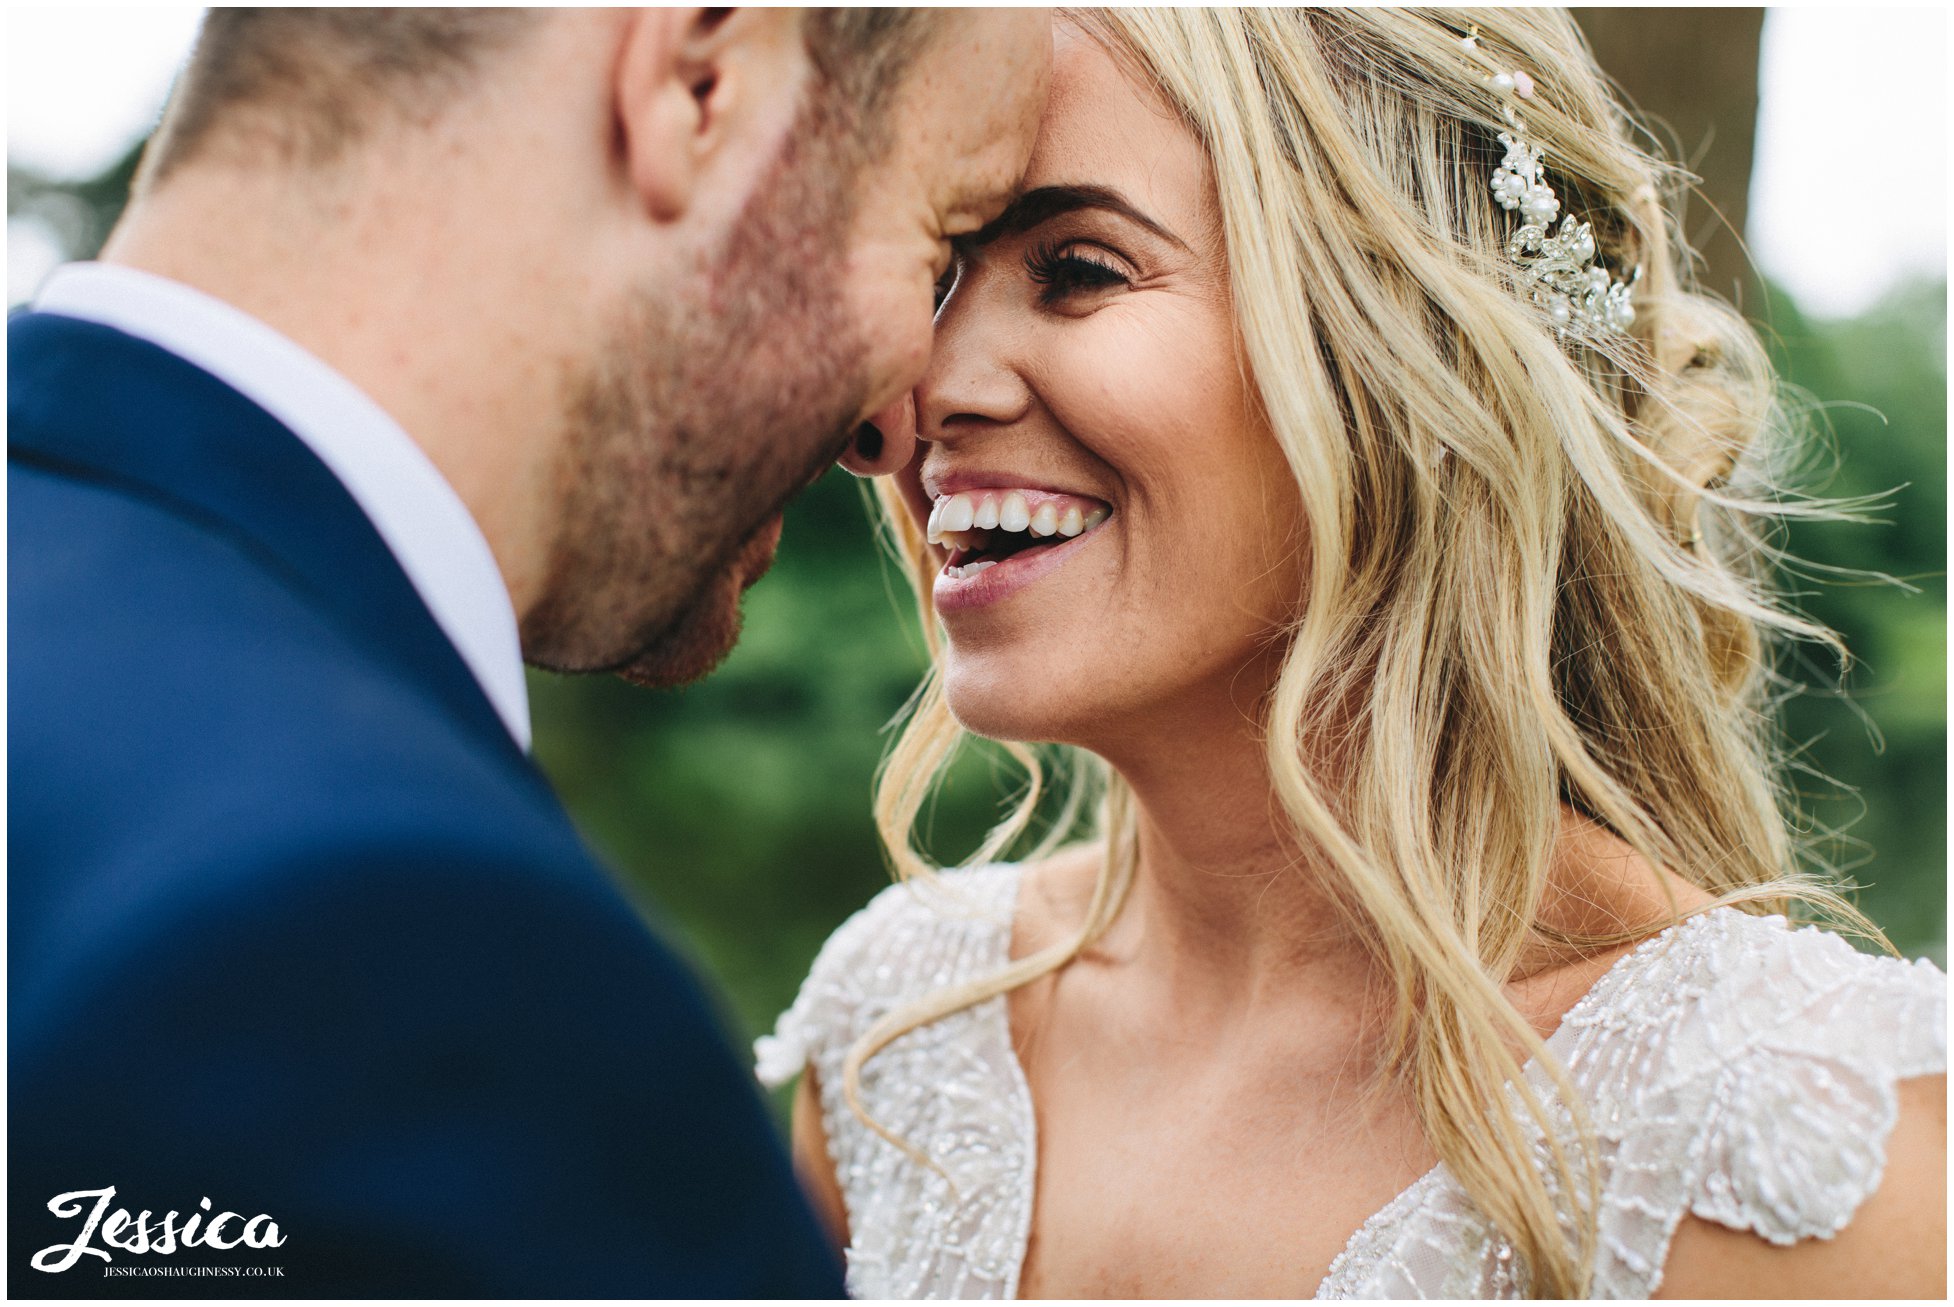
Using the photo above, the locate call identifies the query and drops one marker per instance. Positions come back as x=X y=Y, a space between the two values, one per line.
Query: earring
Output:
x=868 y=441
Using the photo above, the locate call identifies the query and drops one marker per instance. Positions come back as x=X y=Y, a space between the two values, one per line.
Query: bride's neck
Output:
x=1223 y=896
x=1230 y=912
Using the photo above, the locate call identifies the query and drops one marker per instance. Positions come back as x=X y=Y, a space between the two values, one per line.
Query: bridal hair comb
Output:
x=1557 y=267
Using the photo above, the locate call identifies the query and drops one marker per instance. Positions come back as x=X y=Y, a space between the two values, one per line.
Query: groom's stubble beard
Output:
x=702 y=415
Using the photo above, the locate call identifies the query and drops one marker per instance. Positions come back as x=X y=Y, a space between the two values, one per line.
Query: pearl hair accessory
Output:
x=1557 y=267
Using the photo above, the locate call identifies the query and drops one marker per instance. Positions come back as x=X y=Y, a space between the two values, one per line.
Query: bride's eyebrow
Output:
x=1039 y=206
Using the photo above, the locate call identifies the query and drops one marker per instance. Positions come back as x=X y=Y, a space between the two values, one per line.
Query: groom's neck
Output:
x=410 y=269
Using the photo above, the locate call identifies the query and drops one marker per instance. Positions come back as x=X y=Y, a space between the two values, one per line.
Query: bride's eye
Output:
x=1066 y=270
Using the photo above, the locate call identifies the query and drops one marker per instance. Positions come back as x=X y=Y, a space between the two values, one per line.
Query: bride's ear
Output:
x=682 y=79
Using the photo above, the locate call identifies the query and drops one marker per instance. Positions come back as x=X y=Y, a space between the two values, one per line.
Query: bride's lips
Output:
x=997 y=538
x=957 y=594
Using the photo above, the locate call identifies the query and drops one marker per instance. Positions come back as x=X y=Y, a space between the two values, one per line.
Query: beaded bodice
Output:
x=1732 y=1067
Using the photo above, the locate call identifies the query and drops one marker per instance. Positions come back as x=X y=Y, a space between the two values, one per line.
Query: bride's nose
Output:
x=978 y=379
x=886 y=442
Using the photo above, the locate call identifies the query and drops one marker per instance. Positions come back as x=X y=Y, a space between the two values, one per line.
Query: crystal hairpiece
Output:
x=1557 y=267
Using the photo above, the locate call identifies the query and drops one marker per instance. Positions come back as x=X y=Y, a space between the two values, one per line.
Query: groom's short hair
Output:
x=319 y=79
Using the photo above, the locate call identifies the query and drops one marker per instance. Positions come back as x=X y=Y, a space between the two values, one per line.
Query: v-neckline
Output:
x=1601 y=989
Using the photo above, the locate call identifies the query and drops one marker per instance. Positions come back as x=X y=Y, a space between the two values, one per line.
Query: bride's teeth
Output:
x=1014 y=514
x=970 y=569
x=953 y=518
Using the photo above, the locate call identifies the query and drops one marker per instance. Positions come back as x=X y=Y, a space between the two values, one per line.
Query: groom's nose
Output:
x=885 y=443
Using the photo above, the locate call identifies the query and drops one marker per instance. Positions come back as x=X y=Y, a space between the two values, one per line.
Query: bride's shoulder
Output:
x=1748 y=1073
x=916 y=936
x=915 y=919
x=1726 y=992
x=1726 y=988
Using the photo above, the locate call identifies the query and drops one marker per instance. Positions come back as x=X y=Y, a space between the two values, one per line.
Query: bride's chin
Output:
x=1022 y=708
x=984 y=714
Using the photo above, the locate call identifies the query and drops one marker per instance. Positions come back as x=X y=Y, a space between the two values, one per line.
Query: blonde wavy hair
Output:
x=1537 y=569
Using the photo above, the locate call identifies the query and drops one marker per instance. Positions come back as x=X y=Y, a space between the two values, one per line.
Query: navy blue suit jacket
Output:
x=294 y=926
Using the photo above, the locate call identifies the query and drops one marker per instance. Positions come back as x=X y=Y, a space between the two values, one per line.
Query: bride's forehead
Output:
x=1090 y=87
x=1102 y=126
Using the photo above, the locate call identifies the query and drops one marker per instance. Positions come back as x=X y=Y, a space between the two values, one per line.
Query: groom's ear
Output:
x=694 y=86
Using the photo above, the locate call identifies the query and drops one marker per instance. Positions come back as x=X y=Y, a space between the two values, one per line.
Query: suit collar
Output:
x=99 y=404
x=426 y=526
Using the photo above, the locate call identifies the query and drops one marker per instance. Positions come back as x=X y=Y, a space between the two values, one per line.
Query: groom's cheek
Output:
x=891 y=300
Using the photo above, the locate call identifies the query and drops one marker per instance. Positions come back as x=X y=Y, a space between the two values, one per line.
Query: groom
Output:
x=432 y=341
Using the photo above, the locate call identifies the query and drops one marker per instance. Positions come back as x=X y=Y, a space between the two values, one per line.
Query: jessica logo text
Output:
x=136 y=1234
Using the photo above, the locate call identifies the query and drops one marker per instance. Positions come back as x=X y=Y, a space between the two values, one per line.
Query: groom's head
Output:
x=632 y=278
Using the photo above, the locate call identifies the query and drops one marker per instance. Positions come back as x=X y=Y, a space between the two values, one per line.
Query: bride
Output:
x=1379 y=541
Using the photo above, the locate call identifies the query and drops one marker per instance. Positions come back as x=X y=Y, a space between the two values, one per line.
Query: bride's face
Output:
x=1086 y=388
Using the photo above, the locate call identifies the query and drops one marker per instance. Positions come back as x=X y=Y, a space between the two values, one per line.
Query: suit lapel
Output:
x=95 y=403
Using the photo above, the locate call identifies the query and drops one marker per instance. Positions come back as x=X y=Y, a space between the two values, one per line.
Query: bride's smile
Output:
x=1114 y=528
x=1021 y=532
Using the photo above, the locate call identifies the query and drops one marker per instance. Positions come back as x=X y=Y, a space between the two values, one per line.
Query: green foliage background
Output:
x=738 y=809
x=1876 y=762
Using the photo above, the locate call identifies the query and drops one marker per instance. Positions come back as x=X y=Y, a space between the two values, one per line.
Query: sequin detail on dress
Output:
x=1733 y=1068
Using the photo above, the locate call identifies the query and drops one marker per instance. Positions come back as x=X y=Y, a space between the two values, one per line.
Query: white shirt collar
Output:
x=423 y=521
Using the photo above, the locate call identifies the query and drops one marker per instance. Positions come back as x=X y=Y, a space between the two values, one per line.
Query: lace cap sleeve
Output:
x=894 y=948
x=823 y=1011
x=1814 y=1037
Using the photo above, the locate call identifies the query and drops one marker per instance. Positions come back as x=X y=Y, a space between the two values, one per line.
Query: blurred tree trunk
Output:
x=1691 y=77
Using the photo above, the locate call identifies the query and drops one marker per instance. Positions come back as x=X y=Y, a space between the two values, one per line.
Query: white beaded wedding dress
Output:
x=1733 y=1067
